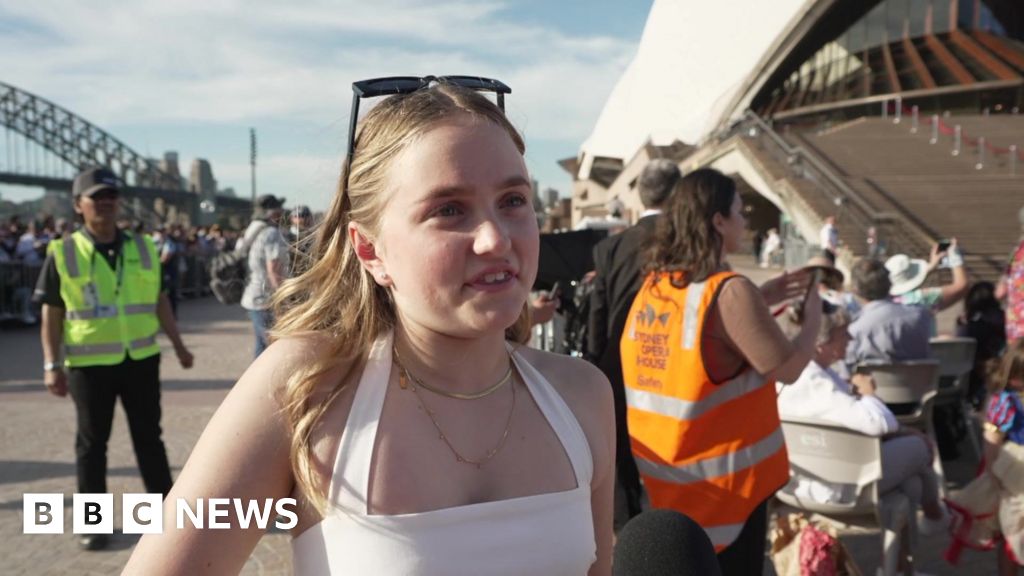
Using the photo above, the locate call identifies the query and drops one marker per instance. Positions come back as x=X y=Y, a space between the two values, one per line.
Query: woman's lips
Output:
x=493 y=281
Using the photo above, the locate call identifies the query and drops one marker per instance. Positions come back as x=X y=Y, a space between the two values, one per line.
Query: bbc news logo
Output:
x=144 y=513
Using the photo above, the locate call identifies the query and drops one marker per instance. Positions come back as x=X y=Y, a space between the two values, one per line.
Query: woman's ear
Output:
x=368 y=255
x=718 y=222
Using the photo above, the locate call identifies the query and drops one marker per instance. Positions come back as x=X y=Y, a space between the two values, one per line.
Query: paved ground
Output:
x=37 y=441
x=37 y=452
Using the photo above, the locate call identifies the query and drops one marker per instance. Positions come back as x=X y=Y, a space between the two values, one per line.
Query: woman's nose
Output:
x=491 y=237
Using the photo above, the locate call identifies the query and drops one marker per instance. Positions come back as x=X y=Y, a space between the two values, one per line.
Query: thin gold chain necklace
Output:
x=404 y=375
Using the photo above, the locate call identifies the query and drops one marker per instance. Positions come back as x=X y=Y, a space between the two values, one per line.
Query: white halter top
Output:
x=550 y=534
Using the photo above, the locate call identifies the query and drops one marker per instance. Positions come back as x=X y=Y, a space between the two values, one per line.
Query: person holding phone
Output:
x=907 y=274
x=544 y=306
x=700 y=355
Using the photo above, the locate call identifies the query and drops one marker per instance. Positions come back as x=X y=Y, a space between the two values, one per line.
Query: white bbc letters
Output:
x=43 y=514
x=142 y=513
x=93 y=514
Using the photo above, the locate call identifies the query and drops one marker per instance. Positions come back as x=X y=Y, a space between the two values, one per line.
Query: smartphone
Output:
x=816 y=275
x=556 y=288
x=944 y=244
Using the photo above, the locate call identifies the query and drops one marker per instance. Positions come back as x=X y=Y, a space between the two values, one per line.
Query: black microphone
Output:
x=664 y=543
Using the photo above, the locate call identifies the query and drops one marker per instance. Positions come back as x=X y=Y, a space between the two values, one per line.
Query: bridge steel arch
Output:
x=77 y=141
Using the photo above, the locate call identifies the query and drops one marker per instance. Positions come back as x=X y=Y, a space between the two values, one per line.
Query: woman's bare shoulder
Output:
x=569 y=374
x=297 y=354
x=581 y=384
x=586 y=391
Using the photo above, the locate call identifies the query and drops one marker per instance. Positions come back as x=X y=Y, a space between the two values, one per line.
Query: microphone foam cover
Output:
x=664 y=543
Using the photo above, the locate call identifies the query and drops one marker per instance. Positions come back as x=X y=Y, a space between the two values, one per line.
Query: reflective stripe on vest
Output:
x=722 y=536
x=109 y=348
x=715 y=467
x=688 y=410
x=142 y=342
x=71 y=259
x=144 y=259
x=92 y=349
x=101 y=313
x=712 y=451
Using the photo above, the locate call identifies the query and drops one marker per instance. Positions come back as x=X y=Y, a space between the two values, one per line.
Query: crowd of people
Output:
x=184 y=253
x=666 y=281
x=393 y=396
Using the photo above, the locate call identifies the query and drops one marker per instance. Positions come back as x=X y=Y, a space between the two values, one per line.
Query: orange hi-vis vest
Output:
x=711 y=451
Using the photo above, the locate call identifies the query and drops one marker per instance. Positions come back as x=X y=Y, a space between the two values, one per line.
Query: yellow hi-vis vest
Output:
x=711 y=451
x=102 y=321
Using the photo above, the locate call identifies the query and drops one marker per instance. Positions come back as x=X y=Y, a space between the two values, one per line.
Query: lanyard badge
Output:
x=90 y=292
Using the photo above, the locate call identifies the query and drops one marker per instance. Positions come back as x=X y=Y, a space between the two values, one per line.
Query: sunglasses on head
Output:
x=392 y=85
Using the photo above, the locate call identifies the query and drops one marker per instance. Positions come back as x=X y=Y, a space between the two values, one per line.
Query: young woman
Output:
x=700 y=355
x=397 y=404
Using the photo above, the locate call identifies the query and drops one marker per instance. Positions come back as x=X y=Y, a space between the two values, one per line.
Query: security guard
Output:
x=102 y=307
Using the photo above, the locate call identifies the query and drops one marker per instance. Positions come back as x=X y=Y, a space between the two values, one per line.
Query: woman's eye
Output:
x=515 y=200
x=447 y=211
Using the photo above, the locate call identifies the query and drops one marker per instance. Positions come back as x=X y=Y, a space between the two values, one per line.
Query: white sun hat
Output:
x=905 y=273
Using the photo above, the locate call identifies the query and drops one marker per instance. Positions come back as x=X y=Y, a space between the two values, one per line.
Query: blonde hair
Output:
x=1010 y=367
x=335 y=296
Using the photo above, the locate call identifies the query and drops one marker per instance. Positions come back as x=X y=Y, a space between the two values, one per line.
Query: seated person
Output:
x=884 y=331
x=819 y=393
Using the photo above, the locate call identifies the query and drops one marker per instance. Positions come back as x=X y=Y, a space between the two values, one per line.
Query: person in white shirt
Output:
x=772 y=244
x=828 y=237
x=819 y=393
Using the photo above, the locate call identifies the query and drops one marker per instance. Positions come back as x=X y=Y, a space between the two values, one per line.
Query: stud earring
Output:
x=383 y=276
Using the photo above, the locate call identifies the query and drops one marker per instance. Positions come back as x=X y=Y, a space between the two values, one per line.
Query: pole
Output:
x=913 y=119
x=981 y=153
x=252 y=162
x=957 y=134
x=935 y=129
x=1013 y=160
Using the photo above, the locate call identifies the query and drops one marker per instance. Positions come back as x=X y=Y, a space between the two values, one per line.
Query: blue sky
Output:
x=195 y=75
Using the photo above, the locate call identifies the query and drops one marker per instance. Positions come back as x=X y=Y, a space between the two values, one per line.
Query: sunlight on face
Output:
x=459 y=236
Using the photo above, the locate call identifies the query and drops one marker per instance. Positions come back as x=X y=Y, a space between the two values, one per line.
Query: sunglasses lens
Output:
x=384 y=86
x=105 y=195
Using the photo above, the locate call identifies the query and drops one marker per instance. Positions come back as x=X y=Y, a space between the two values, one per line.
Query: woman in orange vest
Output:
x=700 y=356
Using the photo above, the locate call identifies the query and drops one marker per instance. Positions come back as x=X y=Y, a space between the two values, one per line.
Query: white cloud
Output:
x=154 y=62
x=302 y=179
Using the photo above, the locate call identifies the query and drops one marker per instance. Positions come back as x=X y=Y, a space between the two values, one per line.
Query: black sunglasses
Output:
x=106 y=194
x=391 y=85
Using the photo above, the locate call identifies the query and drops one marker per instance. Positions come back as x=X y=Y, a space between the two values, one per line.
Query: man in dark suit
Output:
x=619 y=262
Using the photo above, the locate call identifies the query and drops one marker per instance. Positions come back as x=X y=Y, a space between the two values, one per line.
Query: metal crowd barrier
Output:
x=195 y=281
x=17 y=281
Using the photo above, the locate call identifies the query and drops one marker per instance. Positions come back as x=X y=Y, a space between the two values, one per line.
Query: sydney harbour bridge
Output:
x=45 y=145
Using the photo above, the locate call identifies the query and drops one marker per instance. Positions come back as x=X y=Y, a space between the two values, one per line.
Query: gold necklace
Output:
x=457 y=395
x=403 y=373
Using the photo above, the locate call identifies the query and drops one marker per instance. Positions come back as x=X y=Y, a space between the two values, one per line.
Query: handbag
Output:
x=800 y=547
